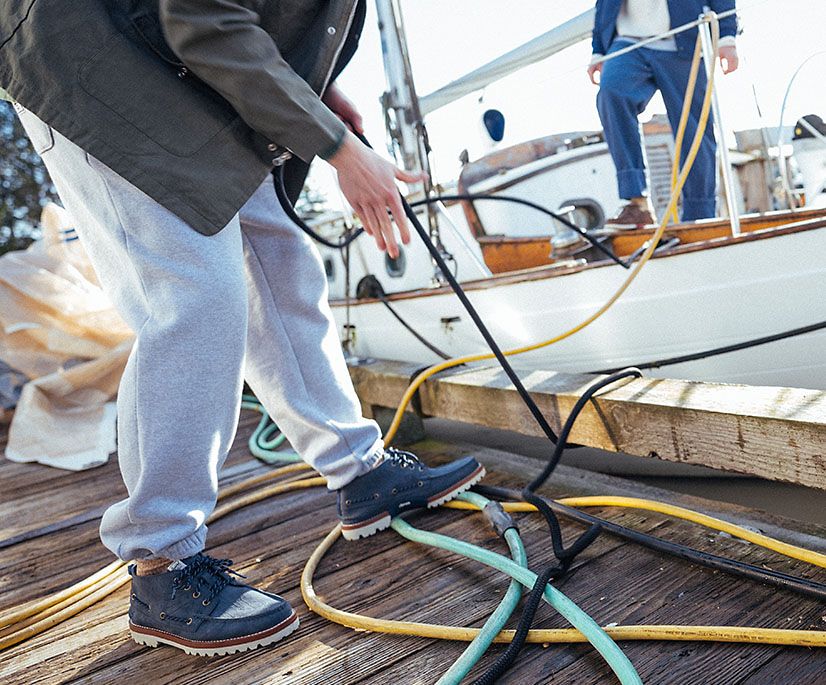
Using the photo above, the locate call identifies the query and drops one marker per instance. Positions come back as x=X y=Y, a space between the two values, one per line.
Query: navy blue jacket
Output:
x=681 y=12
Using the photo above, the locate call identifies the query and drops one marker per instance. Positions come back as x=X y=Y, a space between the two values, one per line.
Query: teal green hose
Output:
x=612 y=654
x=261 y=443
x=476 y=649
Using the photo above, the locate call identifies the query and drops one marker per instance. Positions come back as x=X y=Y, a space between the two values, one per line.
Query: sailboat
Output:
x=712 y=284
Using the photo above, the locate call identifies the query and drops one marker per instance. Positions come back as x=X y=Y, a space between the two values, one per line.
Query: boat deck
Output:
x=385 y=576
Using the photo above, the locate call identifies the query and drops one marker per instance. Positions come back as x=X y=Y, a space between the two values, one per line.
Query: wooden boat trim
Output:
x=554 y=271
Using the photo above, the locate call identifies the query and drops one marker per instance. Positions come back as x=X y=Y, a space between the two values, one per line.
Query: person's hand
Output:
x=368 y=181
x=728 y=58
x=593 y=70
x=343 y=107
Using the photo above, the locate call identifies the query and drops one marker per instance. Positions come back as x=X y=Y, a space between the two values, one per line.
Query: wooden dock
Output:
x=385 y=576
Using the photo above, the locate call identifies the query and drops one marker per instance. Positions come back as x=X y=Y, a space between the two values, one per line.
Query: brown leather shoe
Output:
x=629 y=217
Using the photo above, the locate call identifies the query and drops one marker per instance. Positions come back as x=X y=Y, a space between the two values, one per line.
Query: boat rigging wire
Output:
x=736 y=347
x=371 y=287
x=781 y=160
x=453 y=197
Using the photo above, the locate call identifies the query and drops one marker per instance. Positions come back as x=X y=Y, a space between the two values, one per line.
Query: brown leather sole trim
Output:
x=473 y=475
x=361 y=524
x=209 y=644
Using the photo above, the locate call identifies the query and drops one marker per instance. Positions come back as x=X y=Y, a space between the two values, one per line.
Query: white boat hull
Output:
x=681 y=303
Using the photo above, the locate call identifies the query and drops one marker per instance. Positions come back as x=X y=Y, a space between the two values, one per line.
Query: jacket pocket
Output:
x=171 y=108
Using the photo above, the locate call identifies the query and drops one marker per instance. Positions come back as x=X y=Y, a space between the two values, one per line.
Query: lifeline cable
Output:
x=735 y=347
x=533 y=205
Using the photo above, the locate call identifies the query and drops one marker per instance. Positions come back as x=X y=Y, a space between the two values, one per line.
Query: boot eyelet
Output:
x=187 y=587
x=195 y=595
x=395 y=491
x=348 y=501
x=376 y=495
x=420 y=484
x=162 y=616
x=133 y=596
x=189 y=621
x=205 y=602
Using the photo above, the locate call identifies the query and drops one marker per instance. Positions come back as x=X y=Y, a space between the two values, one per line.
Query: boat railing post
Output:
x=719 y=129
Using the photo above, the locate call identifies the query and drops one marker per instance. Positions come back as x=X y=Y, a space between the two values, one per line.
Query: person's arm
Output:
x=728 y=32
x=597 y=48
x=343 y=108
x=223 y=43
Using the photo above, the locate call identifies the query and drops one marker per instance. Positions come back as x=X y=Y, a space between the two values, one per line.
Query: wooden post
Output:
x=773 y=433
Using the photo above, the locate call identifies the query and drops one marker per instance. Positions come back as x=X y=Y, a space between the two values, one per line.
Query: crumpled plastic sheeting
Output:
x=59 y=329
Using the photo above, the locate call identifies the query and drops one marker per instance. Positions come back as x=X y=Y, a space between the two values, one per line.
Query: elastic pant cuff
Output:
x=185 y=548
x=631 y=183
x=356 y=466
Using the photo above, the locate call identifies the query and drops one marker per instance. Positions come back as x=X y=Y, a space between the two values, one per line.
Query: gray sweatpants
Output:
x=249 y=302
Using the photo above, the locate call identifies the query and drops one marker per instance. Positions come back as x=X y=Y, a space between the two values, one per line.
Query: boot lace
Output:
x=205 y=575
x=402 y=458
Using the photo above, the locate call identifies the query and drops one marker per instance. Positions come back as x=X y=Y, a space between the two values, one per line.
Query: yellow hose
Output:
x=678 y=138
x=652 y=245
x=784 y=548
x=753 y=635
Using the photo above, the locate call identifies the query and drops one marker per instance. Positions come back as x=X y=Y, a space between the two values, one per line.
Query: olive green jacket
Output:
x=192 y=101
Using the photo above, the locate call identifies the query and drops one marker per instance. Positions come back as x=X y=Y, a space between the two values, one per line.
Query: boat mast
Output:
x=403 y=116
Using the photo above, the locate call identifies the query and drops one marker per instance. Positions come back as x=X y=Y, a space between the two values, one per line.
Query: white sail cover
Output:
x=549 y=43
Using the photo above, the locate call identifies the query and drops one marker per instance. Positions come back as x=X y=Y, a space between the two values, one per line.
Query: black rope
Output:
x=564 y=555
x=803 y=586
x=736 y=347
x=527 y=203
x=503 y=663
x=284 y=199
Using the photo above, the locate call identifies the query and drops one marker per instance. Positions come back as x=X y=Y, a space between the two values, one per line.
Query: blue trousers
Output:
x=628 y=83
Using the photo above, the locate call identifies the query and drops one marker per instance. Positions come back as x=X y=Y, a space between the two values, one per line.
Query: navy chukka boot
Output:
x=400 y=483
x=199 y=607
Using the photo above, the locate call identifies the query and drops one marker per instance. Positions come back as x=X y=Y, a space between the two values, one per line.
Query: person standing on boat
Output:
x=628 y=82
x=159 y=122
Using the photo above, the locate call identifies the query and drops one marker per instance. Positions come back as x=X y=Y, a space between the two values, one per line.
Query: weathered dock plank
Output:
x=773 y=433
x=386 y=576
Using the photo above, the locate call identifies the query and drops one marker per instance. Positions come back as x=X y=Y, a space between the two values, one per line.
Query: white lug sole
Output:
x=154 y=639
x=383 y=522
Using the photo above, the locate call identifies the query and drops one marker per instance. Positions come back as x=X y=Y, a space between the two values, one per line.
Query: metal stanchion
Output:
x=722 y=145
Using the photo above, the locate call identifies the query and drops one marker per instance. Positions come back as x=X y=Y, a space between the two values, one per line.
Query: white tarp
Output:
x=59 y=329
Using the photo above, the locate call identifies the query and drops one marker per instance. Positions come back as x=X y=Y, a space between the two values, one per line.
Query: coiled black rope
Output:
x=284 y=199
x=802 y=586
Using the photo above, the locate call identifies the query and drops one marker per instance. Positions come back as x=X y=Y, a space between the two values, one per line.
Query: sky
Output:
x=447 y=40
